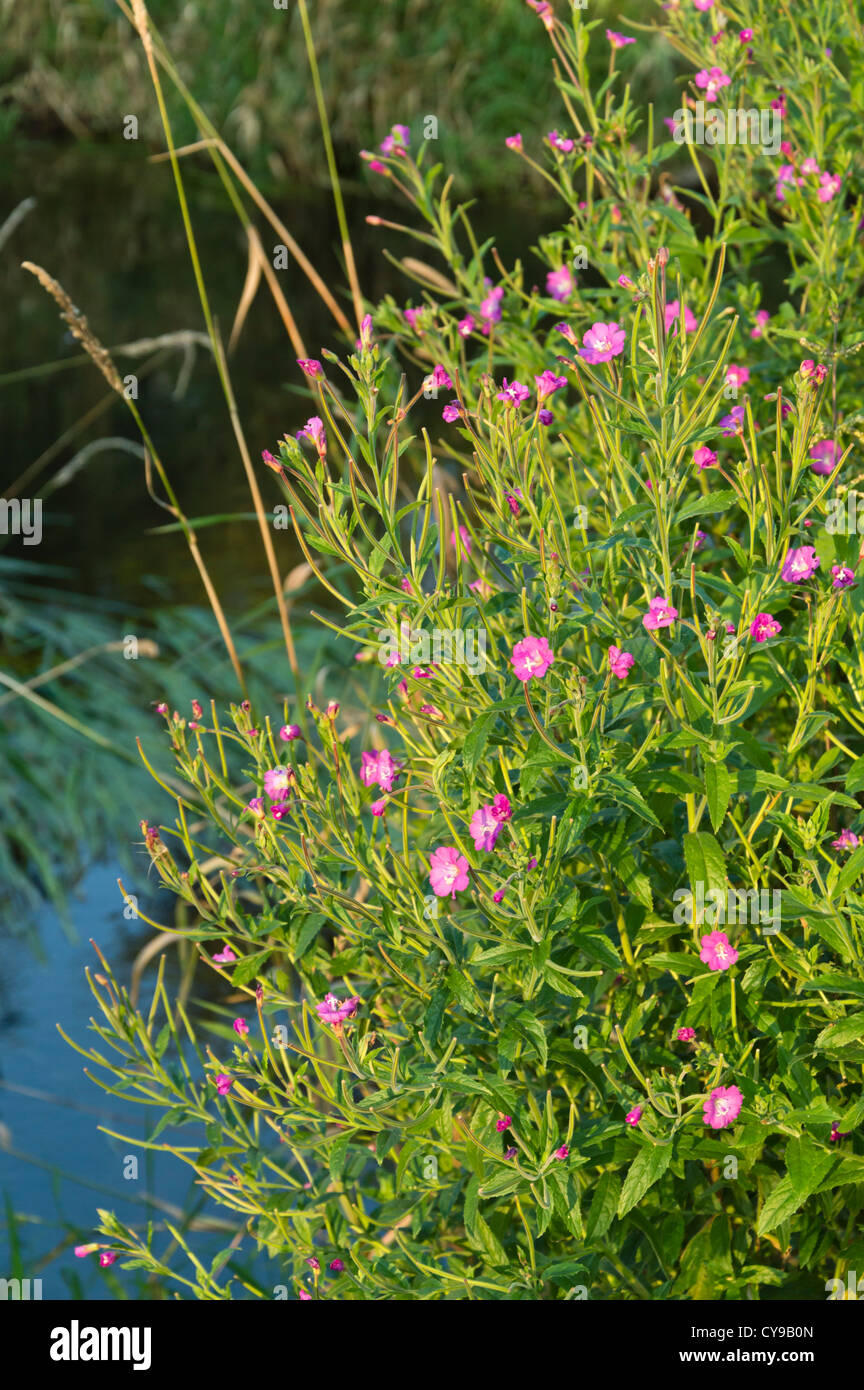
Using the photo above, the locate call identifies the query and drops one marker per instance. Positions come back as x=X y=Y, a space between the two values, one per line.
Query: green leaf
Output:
x=714 y=502
x=705 y=862
x=718 y=789
x=648 y=1165
x=783 y=1202
x=604 y=1204
x=250 y=966
x=807 y=1165
x=839 y=1034
x=435 y=1014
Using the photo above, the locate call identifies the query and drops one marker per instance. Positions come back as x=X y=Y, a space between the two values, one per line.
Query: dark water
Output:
x=107 y=226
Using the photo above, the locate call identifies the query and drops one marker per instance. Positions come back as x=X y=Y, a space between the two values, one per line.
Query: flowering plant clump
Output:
x=553 y=958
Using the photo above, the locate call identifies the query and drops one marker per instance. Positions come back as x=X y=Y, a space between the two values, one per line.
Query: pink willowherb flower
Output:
x=545 y=12
x=786 y=178
x=672 y=315
x=379 y=769
x=514 y=142
x=824 y=456
x=602 y=342
x=717 y=952
x=337 y=1266
x=836 y=1132
x=764 y=626
x=504 y=1123
x=490 y=309
x=762 y=318
x=547 y=382
x=847 y=839
x=378 y=807
x=241 y=1027
x=485 y=828
x=465 y=327
x=660 y=614
x=829 y=185
x=311 y=367
x=686 y=1034
x=452 y=411
x=289 y=732
x=799 y=564
x=618 y=40
x=513 y=394
x=225 y=957
x=711 y=81
x=843 y=577
x=223 y=1083
x=560 y=142
x=313 y=430
x=439 y=376
x=256 y=806
x=304 y=1296
x=562 y=1152
x=737 y=376
x=704 y=457
x=397 y=142
x=703 y=4
x=560 y=283
x=619 y=662
x=462 y=545
x=501 y=808
x=810 y=370
x=733 y=423
x=722 y=1107
x=448 y=872
x=107 y=1258
x=335 y=1011
x=633 y=1116
x=531 y=658
x=277 y=780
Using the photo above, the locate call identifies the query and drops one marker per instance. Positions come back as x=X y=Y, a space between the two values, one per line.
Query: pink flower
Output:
x=746 y=35
x=844 y=578
x=717 y=952
x=223 y=1083
x=618 y=40
x=762 y=317
x=311 y=366
x=764 y=626
x=825 y=456
x=559 y=142
x=448 y=872
x=548 y=382
x=81 y=1251
x=313 y=430
x=810 y=166
x=799 y=564
x=241 y=1027
x=672 y=314
x=224 y=957
x=107 y=1258
x=501 y=808
x=633 y=1116
x=722 y=1107
x=452 y=411
x=830 y=184
x=711 y=81
x=660 y=614
x=280 y=809
x=334 y=1010
x=514 y=394
x=562 y=1152
x=289 y=732
x=531 y=658
x=463 y=545
x=378 y=807
x=847 y=839
x=379 y=769
x=278 y=779
x=511 y=1153
x=737 y=376
x=485 y=828
x=837 y=1134
x=337 y=1266
x=809 y=369
x=619 y=662
x=559 y=283
x=545 y=12
x=465 y=327
x=545 y=417
x=686 y=1034
x=786 y=176
x=602 y=342
x=514 y=142
x=704 y=457
x=439 y=377
x=733 y=423
x=256 y=806
x=504 y=1123
x=396 y=143
x=490 y=309
x=304 y=1295
x=703 y=4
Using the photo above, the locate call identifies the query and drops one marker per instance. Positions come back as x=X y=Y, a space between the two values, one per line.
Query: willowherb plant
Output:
x=556 y=949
